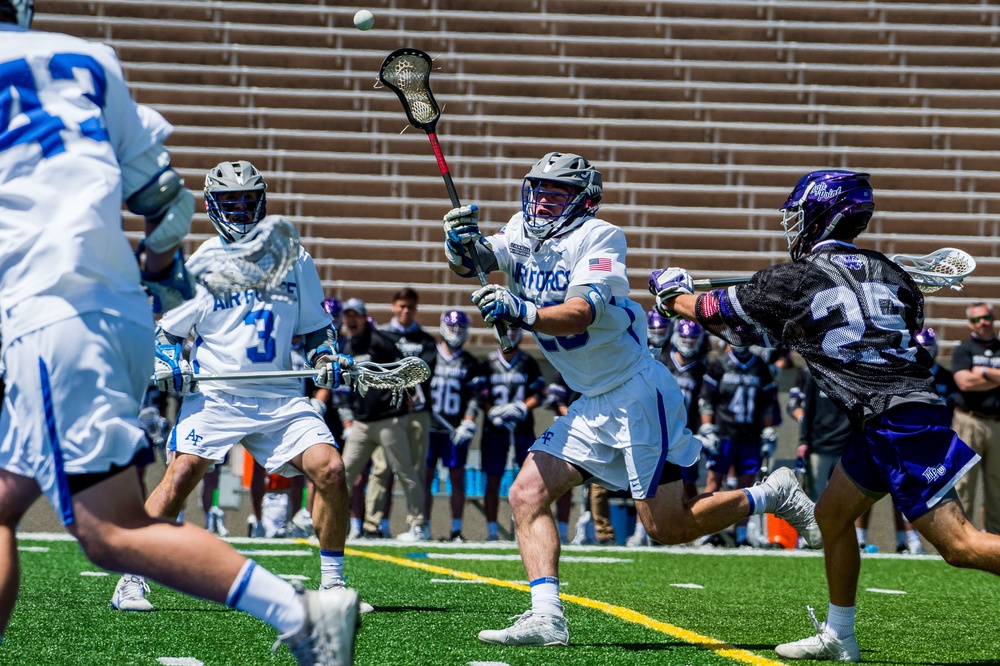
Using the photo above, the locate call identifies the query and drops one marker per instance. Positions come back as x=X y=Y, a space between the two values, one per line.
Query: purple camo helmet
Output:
x=454 y=328
x=826 y=204
x=688 y=338
x=657 y=327
x=927 y=338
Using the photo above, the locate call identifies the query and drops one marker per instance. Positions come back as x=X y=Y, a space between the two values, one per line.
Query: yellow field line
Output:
x=721 y=648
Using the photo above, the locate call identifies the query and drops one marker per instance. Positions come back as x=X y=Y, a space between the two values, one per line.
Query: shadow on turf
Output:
x=410 y=609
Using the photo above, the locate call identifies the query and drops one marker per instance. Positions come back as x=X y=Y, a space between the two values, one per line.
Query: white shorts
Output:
x=625 y=436
x=273 y=430
x=72 y=401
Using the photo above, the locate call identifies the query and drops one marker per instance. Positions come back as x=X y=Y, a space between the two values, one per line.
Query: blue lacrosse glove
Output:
x=464 y=433
x=498 y=303
x=709 y=436
x=169 y=289
x=171 y=371
x=668 y=283
x=461 y=228
x=333 y=370
x=768 y=442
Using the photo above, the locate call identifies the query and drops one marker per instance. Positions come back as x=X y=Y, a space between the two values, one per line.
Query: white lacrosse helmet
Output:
x=235 y=197
x=21 y=11
x=454 y=328
x=549 y=210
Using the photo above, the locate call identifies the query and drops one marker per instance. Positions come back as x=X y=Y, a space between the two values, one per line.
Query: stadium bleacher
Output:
x=701 y=115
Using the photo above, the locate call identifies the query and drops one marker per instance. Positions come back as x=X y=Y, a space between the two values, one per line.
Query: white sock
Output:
x=564 y=531
x=759 y=501
x=862 y=533
x=840 y=621
x=492 y=530
x=456 y=525
x=384 y=526
x=260 y=593
x=356 y=525
x=545 y=595
x=913 y=538
x=331 y=565
x=900 y=538
x=640 y=530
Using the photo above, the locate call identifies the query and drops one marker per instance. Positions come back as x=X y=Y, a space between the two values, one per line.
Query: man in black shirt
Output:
x=976 y=367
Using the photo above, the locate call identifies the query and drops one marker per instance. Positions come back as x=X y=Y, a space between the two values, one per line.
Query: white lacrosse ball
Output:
x=364 y=20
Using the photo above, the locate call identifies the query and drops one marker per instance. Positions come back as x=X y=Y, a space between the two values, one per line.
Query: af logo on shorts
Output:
x=193 y=437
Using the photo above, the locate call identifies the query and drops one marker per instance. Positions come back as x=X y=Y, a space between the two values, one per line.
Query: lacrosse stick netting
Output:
x=407 y=73
x=946 y=267
x=260 y=261
x=397 y=377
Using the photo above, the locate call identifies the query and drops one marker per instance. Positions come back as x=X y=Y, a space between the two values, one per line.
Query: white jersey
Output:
x=247 y=333
x=68 y=130
x=611 y=350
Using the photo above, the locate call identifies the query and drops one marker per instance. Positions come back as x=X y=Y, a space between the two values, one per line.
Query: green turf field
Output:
x=625 y=606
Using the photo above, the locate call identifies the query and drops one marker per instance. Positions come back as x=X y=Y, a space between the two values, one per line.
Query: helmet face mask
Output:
x=656 y=328
x=514 y=334
x=825 y=204
x=235 y=197
x=927 y=338
x=22 y=11
x=454 y=328
x=560 y=189
x=688 y=338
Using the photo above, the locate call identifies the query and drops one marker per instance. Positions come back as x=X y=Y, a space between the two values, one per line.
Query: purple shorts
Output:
x=451 y=456
x=495 y=446
x=910 y=453
x=743 y=455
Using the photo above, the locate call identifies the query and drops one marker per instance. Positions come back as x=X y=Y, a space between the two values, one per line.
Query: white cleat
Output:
x=302 y=525
x=255 y=528
x=215 y=522
x=824 y=646
x=412 y=535
x=787 y=500
x=130 y=594
x=338 y=584
x=531 y=628
x=326 y=638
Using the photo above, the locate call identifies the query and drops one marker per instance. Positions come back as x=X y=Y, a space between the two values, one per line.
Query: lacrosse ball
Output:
x=364 y=20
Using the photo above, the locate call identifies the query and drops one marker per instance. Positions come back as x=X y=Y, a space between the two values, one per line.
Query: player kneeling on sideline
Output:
x=275 y=423
x=568 y=285
x=852 y=315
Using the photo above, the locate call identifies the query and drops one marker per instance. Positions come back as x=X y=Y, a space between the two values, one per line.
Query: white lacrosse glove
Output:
x=171 y=371
x=768 y=442
x=333 y=370
x=709 y=436
x=668 y=283
x=464 y=433
x=495 y=415
x=154 y=425
x=513 y=414
x=461 y=228
x=498 y=303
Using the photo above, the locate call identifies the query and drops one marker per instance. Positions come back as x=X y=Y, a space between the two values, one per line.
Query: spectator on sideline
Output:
x=71 y=280
x=975 y=363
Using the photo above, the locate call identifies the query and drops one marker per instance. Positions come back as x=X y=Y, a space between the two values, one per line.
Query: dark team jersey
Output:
x=689 y=374
x=415 y=341
x=458 y=380
x=739 y=394
x=944 y=385
x=824 y=427
x=510 y=382
x=376 y=404
x=977 y=353
x=850 y=313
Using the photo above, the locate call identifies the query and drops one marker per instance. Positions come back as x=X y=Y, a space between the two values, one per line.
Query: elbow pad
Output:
x=595 y=294
x=165 y=202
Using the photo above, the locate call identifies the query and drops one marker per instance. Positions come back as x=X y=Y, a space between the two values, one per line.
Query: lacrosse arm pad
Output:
x=164 y=202
x=318 y=342
x=463 y=265
x=169 y=288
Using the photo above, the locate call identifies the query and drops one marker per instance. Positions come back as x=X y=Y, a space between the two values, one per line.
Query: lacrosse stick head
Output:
x=398 y=377
x=407 y=72
x=826 y=204
x=259 y=261
x=561 y=188
x=946 y=267
x=235 y=199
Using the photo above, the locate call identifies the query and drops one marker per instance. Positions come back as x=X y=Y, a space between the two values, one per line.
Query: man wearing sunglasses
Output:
x=976 y=364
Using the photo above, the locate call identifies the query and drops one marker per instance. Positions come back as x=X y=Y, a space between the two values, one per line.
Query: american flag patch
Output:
x=602 y=264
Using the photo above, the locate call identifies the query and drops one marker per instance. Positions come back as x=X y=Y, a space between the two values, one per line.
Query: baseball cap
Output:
x=357 y=305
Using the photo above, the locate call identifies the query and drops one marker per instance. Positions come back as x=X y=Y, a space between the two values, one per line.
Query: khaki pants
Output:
x=417 y=426
x=600 y=513
x=983 y=436
x=390 y=434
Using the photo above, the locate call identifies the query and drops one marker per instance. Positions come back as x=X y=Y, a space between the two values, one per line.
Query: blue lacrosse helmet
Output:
x=826 y=204
x=927 y=338
x=22 y=11
x=236 y=199
x=454 y=328
x=560 y=190
x=688 y=338
x=657 y=327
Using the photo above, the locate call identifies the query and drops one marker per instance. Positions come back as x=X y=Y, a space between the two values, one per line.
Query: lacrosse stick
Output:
x=397 y=377
x=260 y=261
x=407 y=73
x=946 y=267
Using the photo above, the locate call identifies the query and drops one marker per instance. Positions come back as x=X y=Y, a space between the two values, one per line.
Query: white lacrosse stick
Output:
x=397 y=377
x=259 y=261
x=946 y=267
